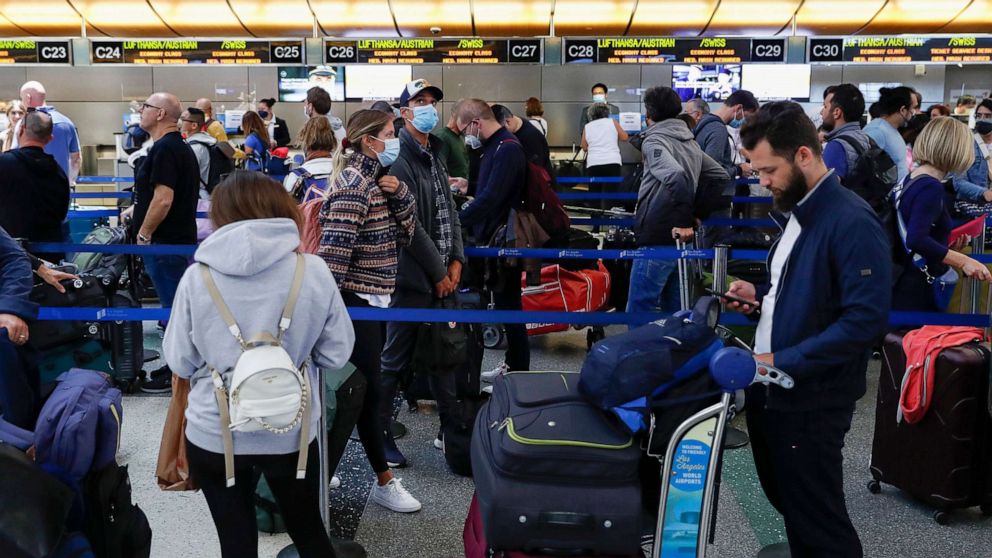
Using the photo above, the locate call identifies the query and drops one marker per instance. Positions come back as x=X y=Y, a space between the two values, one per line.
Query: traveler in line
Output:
x=34 y=192
x=192 y=124
x=15 y=112
x=16 y=308
x=601 y=139
x=936 y=111
x=973 y=185
x=275 y=126
x=896 y=107
x=252 y=258
x=453 y=152
x=430 y=268
x=65 y=141
x=367 y=216
x=213 y=127
x=535 y=115
x=318 y=103
x=166 y=188
x=945 y=146
x=535 y=145
x=502 y=177
x=319 y=145
x=599 y=97
x=843 y=106
x=674 y=167
x=711 y=128
x=826 y=305
x=256 y=141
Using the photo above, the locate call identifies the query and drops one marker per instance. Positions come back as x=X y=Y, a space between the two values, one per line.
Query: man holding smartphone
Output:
x=826 y=304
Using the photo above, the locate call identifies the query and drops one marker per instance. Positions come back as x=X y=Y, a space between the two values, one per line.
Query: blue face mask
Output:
x=263 y=113
x=390 y=152
x=736 y=123
x=424 y=118
x=599 y=98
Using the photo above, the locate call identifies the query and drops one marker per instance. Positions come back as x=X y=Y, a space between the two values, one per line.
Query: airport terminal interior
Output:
x=555 y=378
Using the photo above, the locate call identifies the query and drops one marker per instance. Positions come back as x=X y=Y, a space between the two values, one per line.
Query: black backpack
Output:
x=221 y=163
x=874 y=174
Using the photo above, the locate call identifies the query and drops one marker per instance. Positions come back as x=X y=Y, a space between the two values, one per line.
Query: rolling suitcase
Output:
x=553 y=473
x=945 y=460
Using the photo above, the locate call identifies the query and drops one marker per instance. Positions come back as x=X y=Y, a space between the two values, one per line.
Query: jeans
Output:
x=654 y=287
x=233 y=509
x=165 y=273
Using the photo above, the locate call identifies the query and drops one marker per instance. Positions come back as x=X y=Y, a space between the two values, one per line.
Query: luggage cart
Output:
x=692 y=458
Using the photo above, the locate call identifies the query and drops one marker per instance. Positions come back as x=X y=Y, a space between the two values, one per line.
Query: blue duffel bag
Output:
x=629 y=374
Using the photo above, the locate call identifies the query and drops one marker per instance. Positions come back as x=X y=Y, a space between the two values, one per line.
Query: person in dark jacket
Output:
x=843 y=106
x=674 y=166
x=16 y=308
x=502 y=176
x=430 y=267
x=945 y=146
x=826 y=305
x=34 y=192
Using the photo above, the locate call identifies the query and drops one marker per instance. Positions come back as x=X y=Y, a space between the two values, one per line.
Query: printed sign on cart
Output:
x=686 y=489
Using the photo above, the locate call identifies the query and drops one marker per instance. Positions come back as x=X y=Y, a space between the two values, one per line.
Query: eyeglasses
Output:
x=146 y=105
x=983 y=116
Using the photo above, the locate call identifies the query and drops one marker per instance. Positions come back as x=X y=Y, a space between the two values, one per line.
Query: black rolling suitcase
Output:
x=945 y=460
x=468 y=391
x=125 y=340
x=554 y=474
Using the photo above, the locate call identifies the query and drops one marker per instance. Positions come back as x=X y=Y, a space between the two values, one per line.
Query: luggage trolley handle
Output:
x=683 y=269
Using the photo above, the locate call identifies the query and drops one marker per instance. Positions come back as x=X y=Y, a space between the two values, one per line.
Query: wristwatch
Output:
x=143 y=238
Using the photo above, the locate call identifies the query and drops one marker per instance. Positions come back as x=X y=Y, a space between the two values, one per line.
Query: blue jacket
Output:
x=832 y=304
x=502 y=174
x=973 y=185
x=15 y=280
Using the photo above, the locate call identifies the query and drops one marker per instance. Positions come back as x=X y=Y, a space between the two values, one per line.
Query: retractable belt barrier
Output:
x=103 y=179
x=496 y=316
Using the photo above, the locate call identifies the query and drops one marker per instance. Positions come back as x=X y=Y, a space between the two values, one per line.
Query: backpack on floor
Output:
x=79 y=426
x=114 y=264
x=265 y=390
x=115 y=526
x=268 y=517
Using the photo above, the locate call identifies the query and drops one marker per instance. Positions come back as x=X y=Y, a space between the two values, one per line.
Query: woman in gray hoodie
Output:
x=252 y=257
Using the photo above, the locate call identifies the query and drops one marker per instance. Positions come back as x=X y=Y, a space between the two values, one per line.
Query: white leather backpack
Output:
x=266 y=390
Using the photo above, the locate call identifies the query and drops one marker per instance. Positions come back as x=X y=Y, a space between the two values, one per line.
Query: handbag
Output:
x=441 y=346
x=172 y=470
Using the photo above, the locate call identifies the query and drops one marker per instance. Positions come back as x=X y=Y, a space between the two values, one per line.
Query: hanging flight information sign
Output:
x=889 y=50
x=668 y=50
x=29 y=51
x=434 y=51
x=192 y=52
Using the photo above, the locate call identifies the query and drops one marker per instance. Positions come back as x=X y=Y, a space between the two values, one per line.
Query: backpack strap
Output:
x=858 y=150
x=225 y=312
x=294 y=295
x=220 y=393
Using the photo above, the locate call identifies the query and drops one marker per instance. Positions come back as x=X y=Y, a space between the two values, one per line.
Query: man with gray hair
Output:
x=64 y=145
x=34 y=192
x=166 y=188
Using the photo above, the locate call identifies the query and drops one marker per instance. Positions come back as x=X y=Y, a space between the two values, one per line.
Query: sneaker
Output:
x=158 y=381
x=487 y=389
x=439 y=442
x=335 y=483
x=394 y=497
x=491 y=375
x=394 y=458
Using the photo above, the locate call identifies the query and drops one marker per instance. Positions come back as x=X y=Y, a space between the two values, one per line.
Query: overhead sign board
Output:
x=893 y=50
x=434 y=51
x=30 y=51
x=193 y=52
x=670 y=50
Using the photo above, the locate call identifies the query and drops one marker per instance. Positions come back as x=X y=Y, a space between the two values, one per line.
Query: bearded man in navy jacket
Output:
x=825 y=306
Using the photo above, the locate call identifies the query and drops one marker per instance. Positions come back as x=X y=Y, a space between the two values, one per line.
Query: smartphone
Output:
x=732 y=298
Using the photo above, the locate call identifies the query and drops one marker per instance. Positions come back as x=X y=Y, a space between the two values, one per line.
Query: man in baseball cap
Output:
x=430 y=267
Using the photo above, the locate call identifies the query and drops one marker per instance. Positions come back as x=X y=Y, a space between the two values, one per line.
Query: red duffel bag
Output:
x=562 y=290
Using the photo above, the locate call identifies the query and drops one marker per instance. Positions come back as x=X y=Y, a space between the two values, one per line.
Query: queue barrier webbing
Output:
x=104 y=179
x=896 y=319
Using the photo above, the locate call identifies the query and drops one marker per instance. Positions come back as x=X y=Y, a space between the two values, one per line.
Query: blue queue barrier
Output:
x=100 y=195
x=104 y=179
x=498 y=316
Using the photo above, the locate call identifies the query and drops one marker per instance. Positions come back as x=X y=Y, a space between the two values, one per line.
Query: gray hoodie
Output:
x=252 y=263
x=670 y=144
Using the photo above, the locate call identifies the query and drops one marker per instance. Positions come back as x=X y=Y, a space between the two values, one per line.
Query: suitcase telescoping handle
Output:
x=566 y=519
